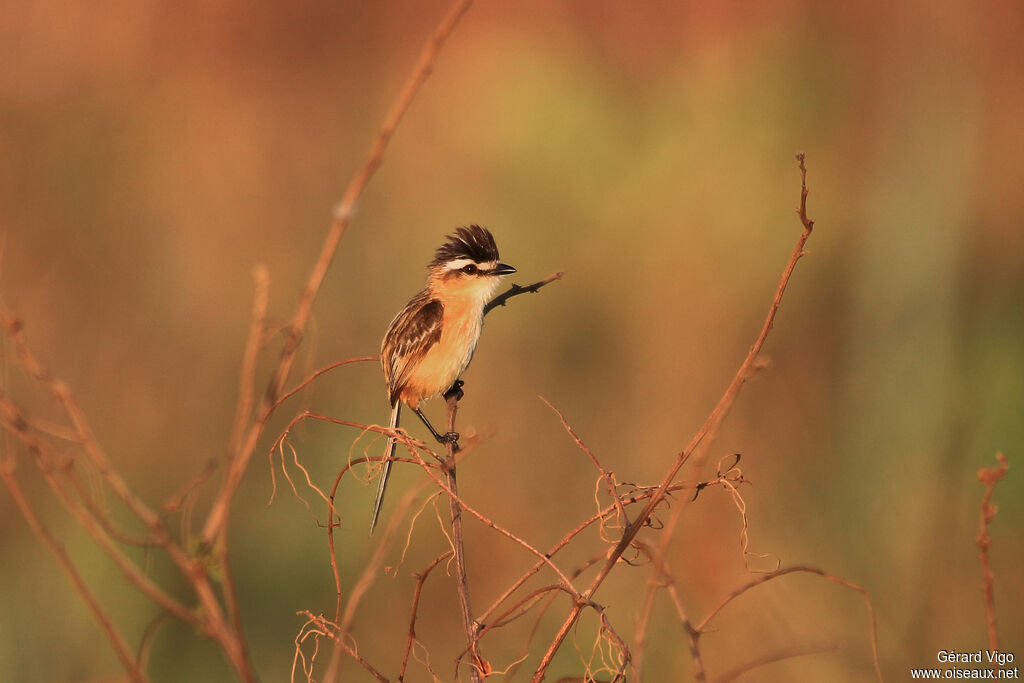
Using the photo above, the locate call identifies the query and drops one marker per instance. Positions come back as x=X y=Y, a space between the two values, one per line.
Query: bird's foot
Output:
x=449 y=437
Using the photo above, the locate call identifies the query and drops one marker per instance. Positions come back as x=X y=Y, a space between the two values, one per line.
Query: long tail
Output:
x=386 y=469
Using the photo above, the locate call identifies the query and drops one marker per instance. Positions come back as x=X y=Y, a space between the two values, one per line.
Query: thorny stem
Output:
x=516 y=290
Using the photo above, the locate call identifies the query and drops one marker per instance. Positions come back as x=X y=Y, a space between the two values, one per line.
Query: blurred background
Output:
x=151 y=153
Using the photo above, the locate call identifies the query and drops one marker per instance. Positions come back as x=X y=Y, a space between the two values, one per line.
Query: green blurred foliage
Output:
x=152 y=153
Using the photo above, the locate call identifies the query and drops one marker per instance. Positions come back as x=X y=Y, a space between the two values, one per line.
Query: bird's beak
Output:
x=503 y=269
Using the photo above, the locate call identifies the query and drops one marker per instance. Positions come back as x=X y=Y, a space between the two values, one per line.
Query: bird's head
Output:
x=468 y=265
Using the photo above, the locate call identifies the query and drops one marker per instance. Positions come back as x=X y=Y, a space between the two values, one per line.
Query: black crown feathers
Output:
x=471 y=242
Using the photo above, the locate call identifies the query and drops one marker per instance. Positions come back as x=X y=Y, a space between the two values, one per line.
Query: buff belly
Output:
x=446 y=360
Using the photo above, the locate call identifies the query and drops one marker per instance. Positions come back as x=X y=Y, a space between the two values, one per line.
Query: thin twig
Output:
x=516 y=290
x=99 y=514
x=372 y=569
x=330 y=630
x=175 y=502
x=989 y=476
x=124 y=654
x=608 y=477
x=148 y=636
x=211 y=623
x=661 y=577
x=194 y=572
x=97 y=531
x=702 y=626
x=247 y=376
x=420 y=577
x=304 y=383
x=544 y=559
x=707 y=431
x=85 y=437
x=217 y=517
x=770 y=658
x=234 y=610
x=480 y=667
x=565 y=540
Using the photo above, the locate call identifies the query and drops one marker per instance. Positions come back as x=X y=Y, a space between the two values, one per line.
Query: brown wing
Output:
x=409 y=337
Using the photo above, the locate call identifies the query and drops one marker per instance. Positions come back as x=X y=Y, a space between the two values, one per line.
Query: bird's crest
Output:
x=472 y=242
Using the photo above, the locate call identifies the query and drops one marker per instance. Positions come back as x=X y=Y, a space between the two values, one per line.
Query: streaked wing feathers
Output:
x=410 y=336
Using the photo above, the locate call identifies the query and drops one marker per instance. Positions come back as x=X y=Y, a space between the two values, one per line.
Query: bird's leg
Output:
x=455 y=391
x=450 y=437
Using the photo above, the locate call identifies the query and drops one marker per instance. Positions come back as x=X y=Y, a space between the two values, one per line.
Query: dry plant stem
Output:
x=421 y=577
x=131 y=572
x=234 y=610
x=214 y=623
x=85 y=437
x=96 y=511
x=605 y=474
x=175 y=503
x=544 y=559
x=239 y=460
x=247 y=377
x=93 y=522
x=707 y=431
x=81 y=587
x=365 y=582
x=522 y=607
x=989 y=476
x=372 y=569
x=642 y=622
x=702 y=626
x=148 y=636
x=306 y=382
x=792 y=653
x=329 y=629
x=480 y=667
x=661 y=577
x=537 y=566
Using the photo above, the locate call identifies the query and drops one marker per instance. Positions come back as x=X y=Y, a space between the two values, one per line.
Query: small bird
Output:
x=431 y=341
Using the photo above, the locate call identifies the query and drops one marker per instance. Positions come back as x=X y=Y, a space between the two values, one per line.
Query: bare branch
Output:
x=124 y=654
x=247 y=376
x=608 y=477
x=700 y=628
x=770 y=658
x=516 y=290
x=707 y=431
x=421 y=577
x=320 y=626
x=480 y=666
x=217 y=518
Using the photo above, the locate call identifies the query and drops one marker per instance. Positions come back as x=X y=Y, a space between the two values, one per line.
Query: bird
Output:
x=431 y=341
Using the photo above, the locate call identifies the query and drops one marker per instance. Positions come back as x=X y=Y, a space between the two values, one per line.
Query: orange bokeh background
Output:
x=152 y=153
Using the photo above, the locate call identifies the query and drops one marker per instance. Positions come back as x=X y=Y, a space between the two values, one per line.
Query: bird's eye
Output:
x=469 y=269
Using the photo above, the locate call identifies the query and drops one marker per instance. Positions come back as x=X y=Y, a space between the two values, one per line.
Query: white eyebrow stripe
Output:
x=463 y=262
